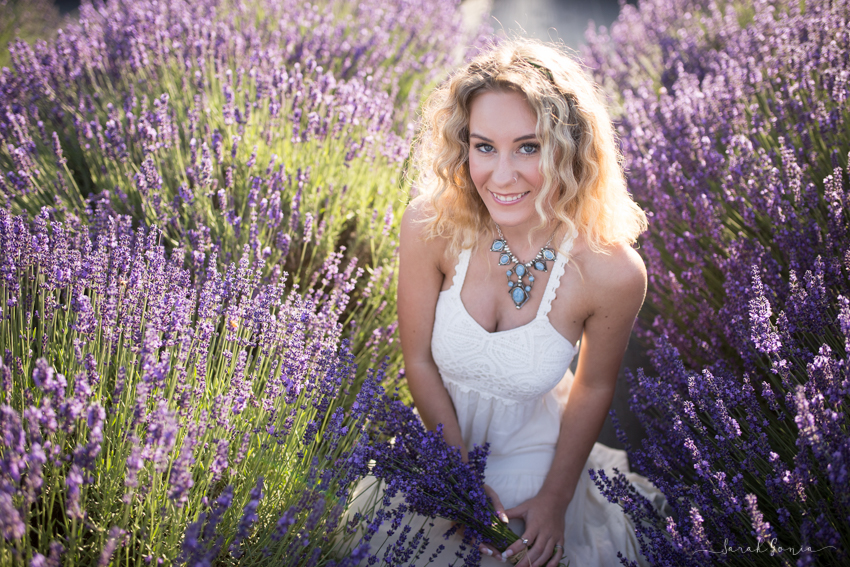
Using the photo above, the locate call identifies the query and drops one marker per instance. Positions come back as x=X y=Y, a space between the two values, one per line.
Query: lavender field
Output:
x=201 y=203
x=198 y=233
x=735 y=128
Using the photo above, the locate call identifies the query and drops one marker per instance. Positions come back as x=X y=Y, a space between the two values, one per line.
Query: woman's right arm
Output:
x=419 y=282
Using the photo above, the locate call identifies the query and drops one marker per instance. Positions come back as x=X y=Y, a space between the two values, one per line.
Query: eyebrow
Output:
x=520 y=139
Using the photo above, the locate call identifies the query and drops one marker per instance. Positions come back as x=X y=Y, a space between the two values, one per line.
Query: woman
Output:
x=519 y=246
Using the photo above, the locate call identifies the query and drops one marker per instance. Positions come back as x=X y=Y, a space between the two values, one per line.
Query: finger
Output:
x=534 y=552
x=557 y=555
x=497 y=503
x=517 y=511
x=542 y=552
x=519 y=545
x=488 y=550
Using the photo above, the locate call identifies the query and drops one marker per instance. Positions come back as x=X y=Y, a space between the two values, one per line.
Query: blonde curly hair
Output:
x=580 y=161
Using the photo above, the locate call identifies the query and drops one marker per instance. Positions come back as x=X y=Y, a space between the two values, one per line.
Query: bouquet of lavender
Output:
x=432 y=480
x=734 y=129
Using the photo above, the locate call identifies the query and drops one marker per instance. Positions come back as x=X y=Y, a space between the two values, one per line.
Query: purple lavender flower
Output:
x=181 y=473
x=116 y=534
x=162 y=435
x=11 y=522
x=249 y=516
x=732 y=147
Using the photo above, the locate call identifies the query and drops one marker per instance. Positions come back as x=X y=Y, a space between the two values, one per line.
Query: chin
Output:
x=514 y=218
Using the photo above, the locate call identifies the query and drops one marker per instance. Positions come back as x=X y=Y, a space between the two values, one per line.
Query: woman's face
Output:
x=504 y=157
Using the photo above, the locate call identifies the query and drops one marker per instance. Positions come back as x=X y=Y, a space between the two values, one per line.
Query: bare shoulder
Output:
x=620 y=268
x=417 y=210
x=618 y=272
x=414 y=233
x=415 y=218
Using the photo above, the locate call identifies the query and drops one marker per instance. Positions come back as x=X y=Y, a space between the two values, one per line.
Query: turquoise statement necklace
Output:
x=516 y=287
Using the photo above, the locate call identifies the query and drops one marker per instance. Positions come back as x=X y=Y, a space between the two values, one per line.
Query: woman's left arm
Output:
x=615 y=287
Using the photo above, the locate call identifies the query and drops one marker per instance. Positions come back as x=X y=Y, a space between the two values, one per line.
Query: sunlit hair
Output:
x=580 y=162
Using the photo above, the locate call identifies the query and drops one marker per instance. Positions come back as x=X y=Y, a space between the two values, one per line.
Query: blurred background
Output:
x=553 y=20
x=562 y=21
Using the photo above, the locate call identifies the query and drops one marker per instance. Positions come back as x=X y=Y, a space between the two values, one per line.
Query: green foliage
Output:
x=28 y=20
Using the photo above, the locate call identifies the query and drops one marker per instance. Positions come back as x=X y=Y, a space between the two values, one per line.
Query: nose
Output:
x=504 y=174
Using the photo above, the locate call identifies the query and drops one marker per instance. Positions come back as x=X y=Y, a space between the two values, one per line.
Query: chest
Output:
x=485 y=295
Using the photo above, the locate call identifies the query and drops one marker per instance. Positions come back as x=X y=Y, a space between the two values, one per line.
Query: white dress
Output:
x=502 y=386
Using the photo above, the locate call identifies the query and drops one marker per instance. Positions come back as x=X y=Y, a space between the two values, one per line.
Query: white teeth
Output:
x=506 y=199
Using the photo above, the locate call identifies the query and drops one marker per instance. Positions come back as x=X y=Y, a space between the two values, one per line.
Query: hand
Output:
x=500 y=511
x=544 y=529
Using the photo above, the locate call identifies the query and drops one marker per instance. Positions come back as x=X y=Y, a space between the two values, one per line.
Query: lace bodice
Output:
x=516 y=365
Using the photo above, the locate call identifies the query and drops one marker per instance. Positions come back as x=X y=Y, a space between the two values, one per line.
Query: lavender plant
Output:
x=150 y=415
x=30 y=20
x=188 y=390
x=278 y=130
x=734 y=126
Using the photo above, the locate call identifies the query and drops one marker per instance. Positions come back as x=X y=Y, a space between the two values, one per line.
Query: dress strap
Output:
x=460 y=270
x=558 y=268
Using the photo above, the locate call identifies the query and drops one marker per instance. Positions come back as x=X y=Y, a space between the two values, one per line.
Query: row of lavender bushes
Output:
x=148 y=414
x=201 y=201
x=31 y=20
x=735 y=127
x=275 y=129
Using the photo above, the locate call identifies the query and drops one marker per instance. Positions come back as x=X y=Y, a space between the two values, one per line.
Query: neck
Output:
x=517 y=238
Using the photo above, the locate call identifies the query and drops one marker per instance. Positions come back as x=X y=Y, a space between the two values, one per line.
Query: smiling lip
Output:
x=508 y=199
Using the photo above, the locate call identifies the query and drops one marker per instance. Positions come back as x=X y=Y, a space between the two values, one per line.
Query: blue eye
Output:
x=528 y=149
x=484 y=148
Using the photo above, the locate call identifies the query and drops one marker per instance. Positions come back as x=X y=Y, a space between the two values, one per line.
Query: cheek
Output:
x=533 y=175
x=477 y=173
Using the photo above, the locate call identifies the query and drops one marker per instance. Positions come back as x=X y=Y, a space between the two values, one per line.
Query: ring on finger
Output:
x=559 y=546
x=525 y=542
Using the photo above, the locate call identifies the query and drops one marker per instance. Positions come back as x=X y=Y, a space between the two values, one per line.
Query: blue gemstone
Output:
x=520 y=270
x=531 y=278
x=510 y=273
x=528 y=288
x=510 y=284
x=540 y=266
x=518 y=295
x=497 y=245
x=504 y=259
x=548 y=254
